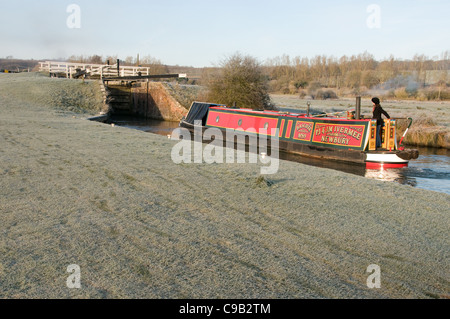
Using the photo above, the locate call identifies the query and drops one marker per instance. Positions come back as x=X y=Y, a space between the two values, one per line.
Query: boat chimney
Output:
x=358 y=108
x=308 y=109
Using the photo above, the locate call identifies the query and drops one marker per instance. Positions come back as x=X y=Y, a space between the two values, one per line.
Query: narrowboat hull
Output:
x=330 y=138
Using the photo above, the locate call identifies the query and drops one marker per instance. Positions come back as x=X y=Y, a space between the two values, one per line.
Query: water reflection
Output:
x=147 y=125
x=430 y=171
x=354 y=168
x=391 y=175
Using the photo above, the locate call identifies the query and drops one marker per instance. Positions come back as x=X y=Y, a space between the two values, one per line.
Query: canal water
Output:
x=430 y=171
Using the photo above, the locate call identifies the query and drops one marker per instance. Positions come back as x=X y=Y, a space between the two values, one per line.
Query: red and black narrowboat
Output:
x=326 y=137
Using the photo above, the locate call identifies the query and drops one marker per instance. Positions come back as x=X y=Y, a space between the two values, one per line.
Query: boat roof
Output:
x=267 y=112
x=273 y=113
x=284 y=113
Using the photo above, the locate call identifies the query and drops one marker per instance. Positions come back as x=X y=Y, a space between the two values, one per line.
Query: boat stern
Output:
x=387 y=159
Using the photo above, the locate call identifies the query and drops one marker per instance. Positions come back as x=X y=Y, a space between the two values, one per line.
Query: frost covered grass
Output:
x=64 y=94
x=110 y=200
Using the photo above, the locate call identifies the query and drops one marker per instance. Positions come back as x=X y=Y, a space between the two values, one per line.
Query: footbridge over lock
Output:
x=75 y=70
x=127 y=90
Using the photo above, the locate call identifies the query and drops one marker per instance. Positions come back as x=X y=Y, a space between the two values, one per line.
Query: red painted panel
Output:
x=289 y=129
x=248 y=122
x=373 y=165
x=282 y=127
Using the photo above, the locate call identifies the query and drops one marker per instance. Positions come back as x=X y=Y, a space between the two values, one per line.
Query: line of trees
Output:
x=322 y=76
x=17 y=65
x=356 y=73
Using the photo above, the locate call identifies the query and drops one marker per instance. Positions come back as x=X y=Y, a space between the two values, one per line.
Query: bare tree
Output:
x=241 y=81
x=155 y=65
x=96 y=59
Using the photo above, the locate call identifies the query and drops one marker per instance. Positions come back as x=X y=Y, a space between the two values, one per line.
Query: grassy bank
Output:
x=60 y=94
x=111 y=200
x=425 y=132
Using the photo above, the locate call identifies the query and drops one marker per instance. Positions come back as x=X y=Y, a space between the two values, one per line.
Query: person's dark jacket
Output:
x=377 y=114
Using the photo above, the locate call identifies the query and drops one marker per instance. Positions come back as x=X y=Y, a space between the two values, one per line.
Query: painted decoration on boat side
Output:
x=303 y=131
x=351 y=136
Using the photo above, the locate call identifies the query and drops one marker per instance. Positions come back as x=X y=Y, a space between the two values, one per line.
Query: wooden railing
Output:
x=102 y=70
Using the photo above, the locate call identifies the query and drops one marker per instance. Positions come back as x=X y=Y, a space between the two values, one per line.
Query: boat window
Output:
x=240 y=122
x=218 y=119
x=266 y=126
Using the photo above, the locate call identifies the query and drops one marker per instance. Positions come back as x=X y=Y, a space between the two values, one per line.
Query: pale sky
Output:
x=202 y=33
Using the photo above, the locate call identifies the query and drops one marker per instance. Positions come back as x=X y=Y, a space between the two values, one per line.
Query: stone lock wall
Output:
x=152 y=100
